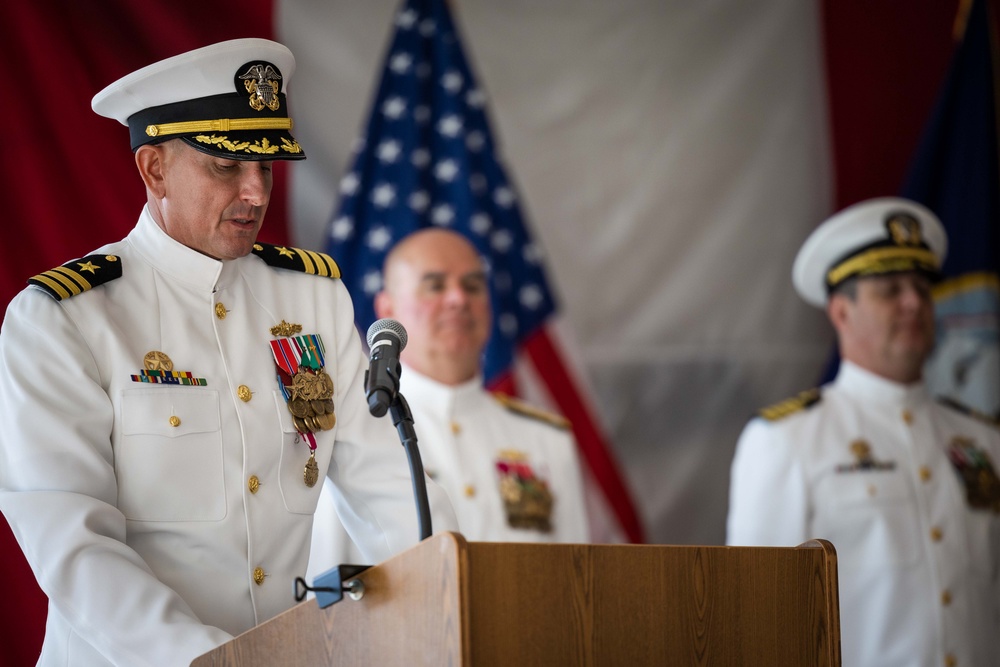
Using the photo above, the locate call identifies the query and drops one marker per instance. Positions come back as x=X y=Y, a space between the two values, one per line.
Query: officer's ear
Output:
x=150 y=161
x=838 y=308
x=383 y=305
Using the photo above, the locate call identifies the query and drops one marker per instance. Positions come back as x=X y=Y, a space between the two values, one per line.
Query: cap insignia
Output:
x=904 y=229
x=263 y=82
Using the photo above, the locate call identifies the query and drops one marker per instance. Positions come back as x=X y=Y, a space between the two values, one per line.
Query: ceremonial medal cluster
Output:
x=982 y=486
x=306 y=386
x=526 y=498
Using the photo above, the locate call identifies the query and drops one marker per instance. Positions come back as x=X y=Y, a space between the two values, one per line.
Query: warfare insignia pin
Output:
x=285 y=329
x=864 y=460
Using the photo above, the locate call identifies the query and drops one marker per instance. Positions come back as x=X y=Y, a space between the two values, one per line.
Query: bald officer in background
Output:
x=904 y=486
x=511 y=471
x=171 y=402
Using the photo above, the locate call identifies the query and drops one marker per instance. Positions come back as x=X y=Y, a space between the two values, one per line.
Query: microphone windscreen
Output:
x=387 y=325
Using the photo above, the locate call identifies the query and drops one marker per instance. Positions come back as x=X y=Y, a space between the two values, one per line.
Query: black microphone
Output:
x=386 y=339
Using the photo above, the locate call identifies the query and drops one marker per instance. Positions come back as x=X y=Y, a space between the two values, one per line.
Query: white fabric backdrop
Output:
x=671 y=157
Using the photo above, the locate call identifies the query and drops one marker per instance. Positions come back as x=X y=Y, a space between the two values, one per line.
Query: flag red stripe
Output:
x=550 y=366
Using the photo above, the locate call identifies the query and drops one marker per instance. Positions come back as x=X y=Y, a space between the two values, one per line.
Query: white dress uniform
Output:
x=470 y=442
x=898 y=483
x=162 y=519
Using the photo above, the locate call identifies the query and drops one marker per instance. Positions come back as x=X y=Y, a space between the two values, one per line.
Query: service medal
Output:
x=311 y=473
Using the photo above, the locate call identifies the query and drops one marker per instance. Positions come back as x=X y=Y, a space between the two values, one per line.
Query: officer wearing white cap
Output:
x=904 y=486
x=172 y=401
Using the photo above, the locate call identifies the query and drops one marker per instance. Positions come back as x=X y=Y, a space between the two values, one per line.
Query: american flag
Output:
x=428 y=158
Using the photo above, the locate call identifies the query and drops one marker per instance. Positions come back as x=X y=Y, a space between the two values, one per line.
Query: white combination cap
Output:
x=873 y=237
x=226 y=99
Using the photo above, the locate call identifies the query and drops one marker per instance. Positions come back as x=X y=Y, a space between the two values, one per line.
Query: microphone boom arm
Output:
x=403 y=419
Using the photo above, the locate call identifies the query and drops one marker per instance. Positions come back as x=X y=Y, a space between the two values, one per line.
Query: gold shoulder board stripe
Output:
x=791 y=405
x=297 y=259
x=78 y=276
x=522 y=408
x=950 y=402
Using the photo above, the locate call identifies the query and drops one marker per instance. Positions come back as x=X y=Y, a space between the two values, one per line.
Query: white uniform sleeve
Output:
x=571 y=521
x=58 y=491
x=768 y=495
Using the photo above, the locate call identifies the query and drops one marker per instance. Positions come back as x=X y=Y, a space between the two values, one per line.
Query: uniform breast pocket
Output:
x=870 y=517
x=169 y=461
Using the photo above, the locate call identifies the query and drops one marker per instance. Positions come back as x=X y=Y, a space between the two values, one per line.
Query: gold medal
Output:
x=325 y=384
x=299 y=407
x=318 y=407
x=326 y=421
x=311 y=473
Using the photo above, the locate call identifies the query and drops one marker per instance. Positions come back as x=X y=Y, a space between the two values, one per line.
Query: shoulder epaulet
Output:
x=78 y=276
x=297 y=259
x=530 y=411
x=950 y=402
x=792 y=405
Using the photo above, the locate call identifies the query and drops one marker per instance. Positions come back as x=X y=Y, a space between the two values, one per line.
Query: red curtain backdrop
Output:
x=70 y=183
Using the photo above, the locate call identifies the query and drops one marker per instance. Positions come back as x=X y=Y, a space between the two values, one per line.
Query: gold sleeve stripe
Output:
x=791 y=406
x=307 y=261
x=75 y=277
x=330 y=267
x=53 y=285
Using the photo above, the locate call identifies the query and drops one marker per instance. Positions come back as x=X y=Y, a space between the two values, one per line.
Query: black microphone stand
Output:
x=403 y=419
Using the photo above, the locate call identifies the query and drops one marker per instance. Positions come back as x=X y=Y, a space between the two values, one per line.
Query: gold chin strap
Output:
x=219 y=125
x=882 y=260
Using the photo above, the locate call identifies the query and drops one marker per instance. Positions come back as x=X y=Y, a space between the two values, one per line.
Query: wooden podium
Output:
x=452 y=602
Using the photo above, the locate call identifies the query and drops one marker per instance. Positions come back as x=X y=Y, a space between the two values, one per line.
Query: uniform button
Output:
x=244 y=393
x=907 y=416
x=946 y=598
x=950 y=660
x=456 y=428
x=258 y=575
x=470 y=491
x=175 y=421
x=925 y=474
x=936 y=534
x=220 y=311
x=253 y=483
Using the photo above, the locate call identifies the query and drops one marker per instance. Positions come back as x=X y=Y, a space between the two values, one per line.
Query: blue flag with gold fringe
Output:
x=955 y=173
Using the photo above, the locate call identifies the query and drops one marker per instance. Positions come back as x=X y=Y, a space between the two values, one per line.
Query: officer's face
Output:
x=889 y=327
x=436 y=288
x=213 y=205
